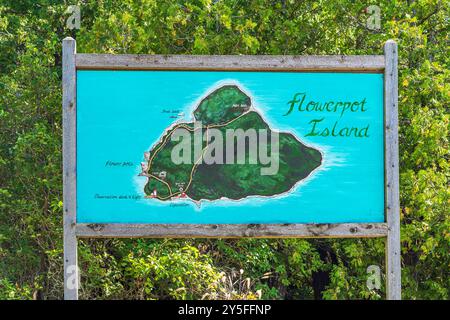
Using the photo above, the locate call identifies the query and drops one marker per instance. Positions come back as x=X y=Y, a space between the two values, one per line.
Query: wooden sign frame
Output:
x=390 y=229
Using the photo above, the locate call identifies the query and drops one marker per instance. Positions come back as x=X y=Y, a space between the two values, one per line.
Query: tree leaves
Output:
x=30 y=148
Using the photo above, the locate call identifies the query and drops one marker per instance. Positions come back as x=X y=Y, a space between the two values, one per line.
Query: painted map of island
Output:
x=224 y=109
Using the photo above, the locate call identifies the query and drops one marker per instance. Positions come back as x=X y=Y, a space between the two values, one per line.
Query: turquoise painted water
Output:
x=121 y=114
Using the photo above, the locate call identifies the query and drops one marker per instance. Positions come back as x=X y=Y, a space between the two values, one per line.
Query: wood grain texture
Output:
x=344 y=230
x=69 y=170
x=393 y=252
x=374 y=63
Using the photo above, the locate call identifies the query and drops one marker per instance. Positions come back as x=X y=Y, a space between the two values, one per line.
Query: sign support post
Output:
x=71 y=276
x=389 y=228
x=393 y=251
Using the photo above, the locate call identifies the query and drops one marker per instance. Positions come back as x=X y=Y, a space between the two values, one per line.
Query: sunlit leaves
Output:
x=30 y=148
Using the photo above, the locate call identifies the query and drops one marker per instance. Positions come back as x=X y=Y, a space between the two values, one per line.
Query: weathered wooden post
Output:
x=393 y=252
x=71 y=276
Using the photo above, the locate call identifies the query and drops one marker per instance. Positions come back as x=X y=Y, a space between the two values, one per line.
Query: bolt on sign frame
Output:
x=390 y=229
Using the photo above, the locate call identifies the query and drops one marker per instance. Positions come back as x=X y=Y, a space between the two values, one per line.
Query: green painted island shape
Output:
x=225 y=109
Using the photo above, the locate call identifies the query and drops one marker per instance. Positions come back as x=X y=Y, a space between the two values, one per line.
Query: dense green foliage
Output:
x=30 y=149
x=218 y=106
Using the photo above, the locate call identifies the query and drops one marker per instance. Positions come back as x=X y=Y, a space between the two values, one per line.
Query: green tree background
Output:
x=30 y=149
